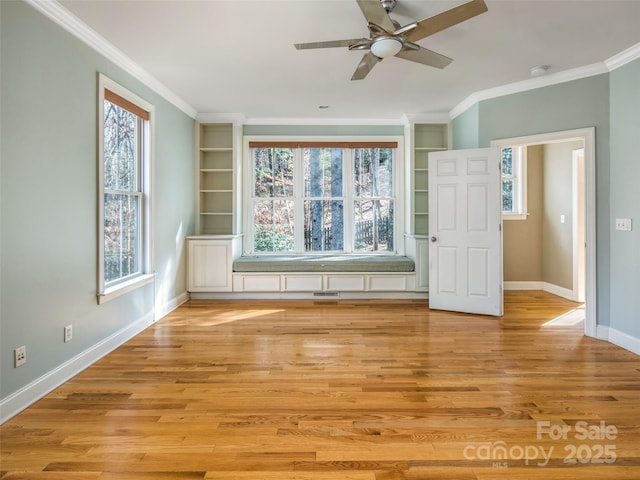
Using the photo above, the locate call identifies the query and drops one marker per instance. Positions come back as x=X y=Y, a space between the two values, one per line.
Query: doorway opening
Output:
x=565 y=219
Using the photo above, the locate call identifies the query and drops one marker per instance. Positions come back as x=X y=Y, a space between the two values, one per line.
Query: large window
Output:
x=322 y=197
x=124 y=189
x=514 y=182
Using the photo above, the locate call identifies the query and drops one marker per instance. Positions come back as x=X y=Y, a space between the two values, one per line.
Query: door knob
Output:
x=433 y=239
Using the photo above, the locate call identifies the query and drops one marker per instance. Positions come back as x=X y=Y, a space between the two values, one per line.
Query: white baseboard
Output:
x=539 y=285
x=31 y=393
x=560 y=291
x=621 y=339
x=164 y=309
x=310 y=296
x=533 y=285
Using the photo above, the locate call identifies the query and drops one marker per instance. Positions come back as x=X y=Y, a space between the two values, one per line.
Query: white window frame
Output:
x=107 y=292
x=398 y=190
x=519 y=183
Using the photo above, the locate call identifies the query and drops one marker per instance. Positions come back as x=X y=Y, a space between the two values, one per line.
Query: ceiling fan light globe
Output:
x=386 y=47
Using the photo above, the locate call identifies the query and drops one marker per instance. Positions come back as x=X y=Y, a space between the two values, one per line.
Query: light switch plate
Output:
x=623 y=224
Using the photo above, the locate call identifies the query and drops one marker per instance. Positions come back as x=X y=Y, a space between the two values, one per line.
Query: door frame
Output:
x=587 y=135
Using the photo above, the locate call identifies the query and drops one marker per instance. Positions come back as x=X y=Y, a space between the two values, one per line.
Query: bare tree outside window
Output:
x=323 y=204
x=122 y=193
x=321 y=198
x=273 y=213
x=373 y=202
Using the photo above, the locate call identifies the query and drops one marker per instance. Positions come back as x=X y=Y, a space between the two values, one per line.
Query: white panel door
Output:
x=465 y=231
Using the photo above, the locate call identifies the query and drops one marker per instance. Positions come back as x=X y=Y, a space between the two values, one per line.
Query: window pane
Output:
x=507 y=162
x=322 y=172
x=507 y=196
x=120 y=148
x=121 y=236
x=373 y=173
x=373 y=225
x=273 y=172
x=273 y=226
x=323 y=225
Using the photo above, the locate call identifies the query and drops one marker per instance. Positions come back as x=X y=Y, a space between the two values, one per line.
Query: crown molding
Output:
x=529 y=84
x=324 y=121
x=624 y=57
x=630 y=54
x=65 y=19
x=409 y=118
x=235 y=118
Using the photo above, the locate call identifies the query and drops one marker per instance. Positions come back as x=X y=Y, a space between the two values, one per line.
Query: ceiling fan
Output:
x=388 y=38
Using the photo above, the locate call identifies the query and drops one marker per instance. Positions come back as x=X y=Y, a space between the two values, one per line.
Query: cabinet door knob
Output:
x=433 y=239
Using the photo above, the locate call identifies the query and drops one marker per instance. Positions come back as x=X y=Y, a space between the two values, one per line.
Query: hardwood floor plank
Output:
x=349 y=390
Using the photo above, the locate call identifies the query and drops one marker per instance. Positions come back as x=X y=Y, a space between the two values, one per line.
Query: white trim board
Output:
x=544 y=286
x=621 y=339
x=309 y=296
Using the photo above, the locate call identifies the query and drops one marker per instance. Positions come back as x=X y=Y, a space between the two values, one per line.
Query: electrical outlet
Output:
x=68 y=333
x=20 y=356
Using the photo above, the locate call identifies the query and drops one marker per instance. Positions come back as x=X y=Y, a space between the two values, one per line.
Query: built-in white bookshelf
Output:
x=427 y=137
x=216 y=179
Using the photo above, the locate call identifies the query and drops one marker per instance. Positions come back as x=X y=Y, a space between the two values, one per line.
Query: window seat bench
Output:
x=323 y=263
x=217 y=269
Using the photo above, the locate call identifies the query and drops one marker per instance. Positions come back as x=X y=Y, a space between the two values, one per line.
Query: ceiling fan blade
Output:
x=368 y=61
x=375 y=13
x=447 y=19
x=425 y=57
x=330 y=43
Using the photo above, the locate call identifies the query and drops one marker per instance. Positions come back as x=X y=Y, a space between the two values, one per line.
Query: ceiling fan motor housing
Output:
x=388 y=5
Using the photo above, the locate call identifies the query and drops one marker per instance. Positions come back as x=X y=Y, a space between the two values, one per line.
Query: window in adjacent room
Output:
x=514 y=182
x=124 y=190
x=321 y=197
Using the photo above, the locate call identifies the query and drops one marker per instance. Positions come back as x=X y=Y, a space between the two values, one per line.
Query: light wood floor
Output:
x=351 y=391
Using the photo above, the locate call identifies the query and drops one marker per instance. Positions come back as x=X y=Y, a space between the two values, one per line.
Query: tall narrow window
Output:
x=124 y=189
x=514 y=182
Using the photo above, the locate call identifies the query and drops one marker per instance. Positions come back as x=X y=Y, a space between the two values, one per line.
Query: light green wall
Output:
x=465 y=128
x=625 y=198
x=49 y=198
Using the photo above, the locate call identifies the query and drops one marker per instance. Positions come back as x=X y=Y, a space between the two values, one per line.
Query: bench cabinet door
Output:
x=210 y=266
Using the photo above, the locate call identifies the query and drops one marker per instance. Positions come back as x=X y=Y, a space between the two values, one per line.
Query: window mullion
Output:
x=298 y=200
x=348 y=187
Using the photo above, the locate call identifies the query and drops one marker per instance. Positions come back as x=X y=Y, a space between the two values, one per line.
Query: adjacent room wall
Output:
x=49 y=204
x=522 y=239
x=557 y=236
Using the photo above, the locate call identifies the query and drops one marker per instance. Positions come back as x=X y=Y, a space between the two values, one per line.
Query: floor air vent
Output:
x=326 y=294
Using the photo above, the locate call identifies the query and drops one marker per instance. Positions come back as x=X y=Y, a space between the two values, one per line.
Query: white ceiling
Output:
x=237 y=56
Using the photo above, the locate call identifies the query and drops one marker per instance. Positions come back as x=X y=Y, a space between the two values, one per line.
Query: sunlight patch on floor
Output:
x=571 y=318
x=235 y=315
